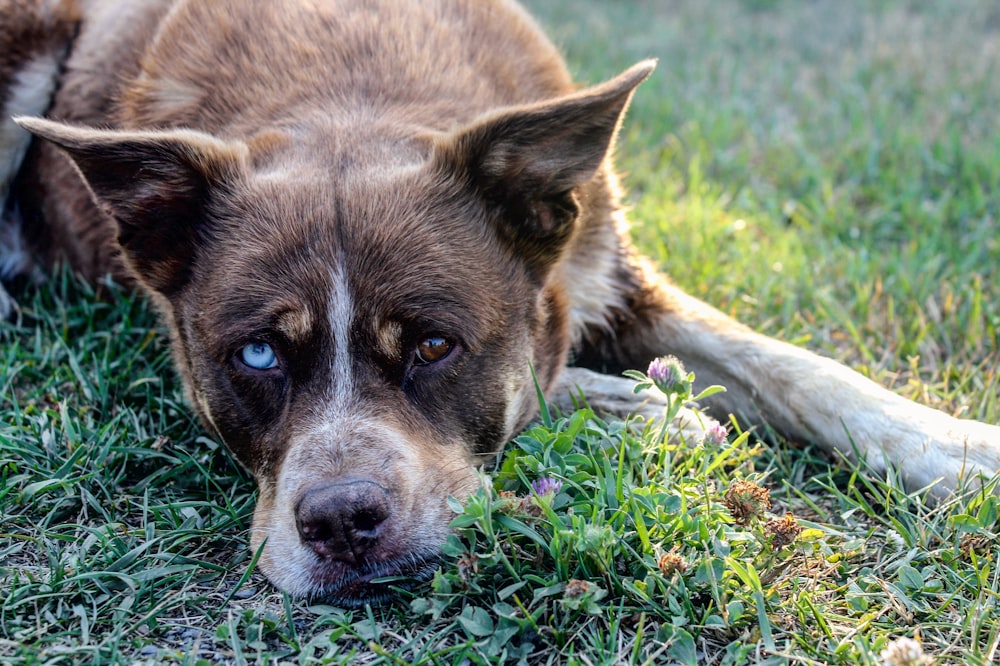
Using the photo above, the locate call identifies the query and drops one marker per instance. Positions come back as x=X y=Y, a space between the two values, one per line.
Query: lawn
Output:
x=827 y=172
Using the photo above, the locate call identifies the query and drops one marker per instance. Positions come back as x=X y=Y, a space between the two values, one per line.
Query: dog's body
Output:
x=367 y=223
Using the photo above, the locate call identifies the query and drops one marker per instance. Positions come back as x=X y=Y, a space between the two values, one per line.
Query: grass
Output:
x=826 y=172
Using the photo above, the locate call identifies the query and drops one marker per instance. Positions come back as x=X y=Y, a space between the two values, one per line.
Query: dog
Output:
x=372 y=228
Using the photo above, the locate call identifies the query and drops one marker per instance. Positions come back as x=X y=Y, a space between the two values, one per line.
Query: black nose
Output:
x=343 y=520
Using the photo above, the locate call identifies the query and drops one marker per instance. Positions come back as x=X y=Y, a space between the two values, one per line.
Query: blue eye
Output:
x=259 y=356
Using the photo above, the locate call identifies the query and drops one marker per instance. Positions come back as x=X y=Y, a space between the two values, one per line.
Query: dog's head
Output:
x=357 y=314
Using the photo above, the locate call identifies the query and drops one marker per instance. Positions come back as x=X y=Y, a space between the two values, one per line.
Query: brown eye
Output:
x=433 y=349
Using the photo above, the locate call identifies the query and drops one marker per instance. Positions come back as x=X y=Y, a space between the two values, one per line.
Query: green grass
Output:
x=826 y=172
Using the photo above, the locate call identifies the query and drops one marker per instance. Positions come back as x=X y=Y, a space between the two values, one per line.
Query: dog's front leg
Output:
x=804 y=396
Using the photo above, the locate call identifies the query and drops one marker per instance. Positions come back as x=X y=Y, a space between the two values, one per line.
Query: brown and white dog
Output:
x=365 y=222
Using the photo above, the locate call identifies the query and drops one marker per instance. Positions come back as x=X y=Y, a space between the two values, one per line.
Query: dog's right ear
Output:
x=154 y=184
x=526 y=161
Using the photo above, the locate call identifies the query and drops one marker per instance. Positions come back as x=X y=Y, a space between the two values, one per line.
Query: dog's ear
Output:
x=154 y=184
x=527 y=160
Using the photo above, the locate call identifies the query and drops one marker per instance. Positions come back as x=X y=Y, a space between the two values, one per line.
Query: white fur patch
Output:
x=590 y=279
x=29 y=95
x=341 y=314
x=615 y=396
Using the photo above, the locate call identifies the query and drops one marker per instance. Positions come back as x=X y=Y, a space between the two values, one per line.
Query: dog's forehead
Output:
x=398 y=244
x=396 y=212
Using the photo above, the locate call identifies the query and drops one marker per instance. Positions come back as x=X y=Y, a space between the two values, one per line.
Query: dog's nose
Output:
x=342 y=520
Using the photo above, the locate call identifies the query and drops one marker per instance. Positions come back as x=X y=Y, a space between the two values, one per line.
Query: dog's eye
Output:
x=259 y=356
x=433 y=349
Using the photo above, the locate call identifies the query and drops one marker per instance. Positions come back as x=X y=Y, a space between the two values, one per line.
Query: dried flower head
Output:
x=715 y=435
x=519 y=506
x=905 y=652
x=978 y=544
x=783 y=531
x=671 y=562
x=576 y=588
x=509 y=503
x=467 y=566
x=546 y=485
x=746 y=501
x=530 y=508
x=668 y=373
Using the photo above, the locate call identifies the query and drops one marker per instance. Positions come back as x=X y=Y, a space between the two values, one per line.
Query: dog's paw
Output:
x=608 y=395
x=689 y=426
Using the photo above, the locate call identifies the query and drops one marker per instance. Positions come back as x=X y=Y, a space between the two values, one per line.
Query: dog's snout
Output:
x=343 y=520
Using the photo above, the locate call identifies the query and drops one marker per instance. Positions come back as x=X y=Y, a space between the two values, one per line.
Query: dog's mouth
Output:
x=373 y=583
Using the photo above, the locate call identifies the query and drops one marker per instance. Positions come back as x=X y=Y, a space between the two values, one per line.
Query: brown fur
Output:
x=30 y=28
x=341 y=181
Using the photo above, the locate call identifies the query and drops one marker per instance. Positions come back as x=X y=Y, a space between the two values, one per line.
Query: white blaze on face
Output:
x=319 y=452
x=341 y=314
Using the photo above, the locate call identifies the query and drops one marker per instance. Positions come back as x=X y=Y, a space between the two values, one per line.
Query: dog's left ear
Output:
x=154 y=184
x=527 y=160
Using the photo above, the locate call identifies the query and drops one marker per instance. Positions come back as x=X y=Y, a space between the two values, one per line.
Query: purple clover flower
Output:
x=546 y=485
x=659 y=370
x=716 y=435
x=667 y=372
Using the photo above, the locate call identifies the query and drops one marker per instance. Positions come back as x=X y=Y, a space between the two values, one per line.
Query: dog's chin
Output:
x=371 y=584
